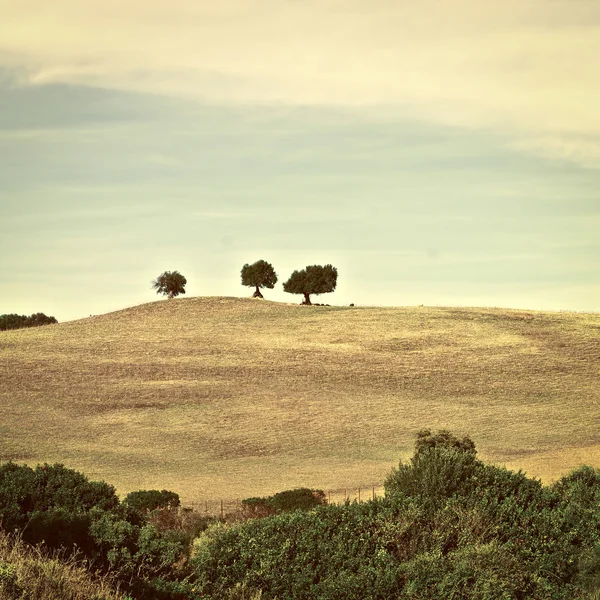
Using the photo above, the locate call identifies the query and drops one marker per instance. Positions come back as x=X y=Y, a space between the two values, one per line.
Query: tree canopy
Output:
x=170 y=284
x=14 y=321
x=314 y=279
x=258 y=275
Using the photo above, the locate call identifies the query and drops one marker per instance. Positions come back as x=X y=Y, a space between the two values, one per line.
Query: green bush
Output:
x=434 y=475
x=14 y=321
x=286 y=501
x=145 y=501
x=443 y=439
x=24 y=490
x=60 y=508
x=450 y=526
x=486 y=572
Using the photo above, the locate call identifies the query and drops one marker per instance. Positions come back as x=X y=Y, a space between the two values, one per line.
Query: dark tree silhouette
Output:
x=258 y=275
x=17 y=321
x=170 y=284
x=314 y=279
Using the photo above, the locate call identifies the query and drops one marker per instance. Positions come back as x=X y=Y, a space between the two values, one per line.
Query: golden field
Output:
x=230 y=397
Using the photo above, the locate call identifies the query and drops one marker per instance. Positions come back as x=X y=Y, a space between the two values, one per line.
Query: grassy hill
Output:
x=229 y=397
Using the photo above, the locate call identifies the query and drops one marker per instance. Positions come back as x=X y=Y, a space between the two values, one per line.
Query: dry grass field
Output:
x=229 y=397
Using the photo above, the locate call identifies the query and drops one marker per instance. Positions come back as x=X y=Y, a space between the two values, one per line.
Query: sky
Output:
x=440 y=152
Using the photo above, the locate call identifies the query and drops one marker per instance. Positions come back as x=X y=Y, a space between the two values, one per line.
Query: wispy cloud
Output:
x=530 y=65
x=582 y=150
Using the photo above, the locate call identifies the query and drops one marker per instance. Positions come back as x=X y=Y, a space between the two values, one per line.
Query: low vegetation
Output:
x=28 y=573
x=449 y=526
x=61 y=509
x=14 y=321
x=286 y=501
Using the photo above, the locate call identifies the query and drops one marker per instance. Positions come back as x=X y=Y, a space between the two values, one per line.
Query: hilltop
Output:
x=229 y=397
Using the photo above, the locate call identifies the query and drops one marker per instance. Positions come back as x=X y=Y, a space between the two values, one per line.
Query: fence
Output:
x=221 y=507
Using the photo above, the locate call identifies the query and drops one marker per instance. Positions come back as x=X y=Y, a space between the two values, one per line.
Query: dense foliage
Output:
x=258 y=275
x=146 y=501
x=170 y=284
x=19 y=321
x=62 y=509
x=450 y=526
x=286 y=501
x=314 y=279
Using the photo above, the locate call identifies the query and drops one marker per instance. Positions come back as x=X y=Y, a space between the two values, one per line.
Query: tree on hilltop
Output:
x=315 y=279
x=170 y=284
x=258 y=275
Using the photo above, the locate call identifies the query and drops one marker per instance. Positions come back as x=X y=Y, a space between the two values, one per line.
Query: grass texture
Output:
x=29 y=573
x=230 y=398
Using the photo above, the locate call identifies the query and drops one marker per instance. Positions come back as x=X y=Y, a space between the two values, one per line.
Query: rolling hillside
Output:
x=229 y=397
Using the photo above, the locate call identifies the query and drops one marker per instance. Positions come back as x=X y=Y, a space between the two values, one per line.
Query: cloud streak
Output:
x=529 y=65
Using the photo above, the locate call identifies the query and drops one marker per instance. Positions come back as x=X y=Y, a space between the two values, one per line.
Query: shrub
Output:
x=443 y=439
x=450 y=526
x=286 y=501
x=145 y=501
x=14 y=321
x=59 y=528
x=486 y=572
x=24 y=491
x=297 y=499
x=434 y=475
x=28 y=573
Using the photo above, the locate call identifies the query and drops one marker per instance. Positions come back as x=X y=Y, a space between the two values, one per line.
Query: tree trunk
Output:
x=307 y=298
x=257 y=293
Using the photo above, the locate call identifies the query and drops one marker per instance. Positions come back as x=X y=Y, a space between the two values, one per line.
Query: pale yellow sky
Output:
x=532 y=66
x=435 y=151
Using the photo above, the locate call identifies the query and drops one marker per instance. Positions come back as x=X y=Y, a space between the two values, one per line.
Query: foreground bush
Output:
x=28 y=573
x=61 y=508
x=26 y=492
x=450 y=526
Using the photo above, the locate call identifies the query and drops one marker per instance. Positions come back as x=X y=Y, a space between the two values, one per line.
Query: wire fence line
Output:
x=214 y=506
x=221 y=507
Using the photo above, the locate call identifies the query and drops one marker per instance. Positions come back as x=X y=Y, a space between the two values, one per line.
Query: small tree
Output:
x=145 y=501
x=170 y=284
x=258 y=275
x=314 y=279
x=443 y=439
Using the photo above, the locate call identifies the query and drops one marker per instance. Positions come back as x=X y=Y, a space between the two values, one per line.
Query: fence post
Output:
x=373 y=493
x=221 y=508
x=359 y=494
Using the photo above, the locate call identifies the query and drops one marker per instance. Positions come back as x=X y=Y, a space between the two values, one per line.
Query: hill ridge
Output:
x=220 y=396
